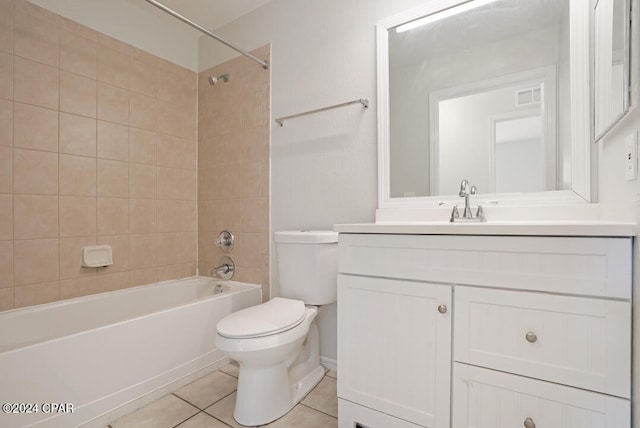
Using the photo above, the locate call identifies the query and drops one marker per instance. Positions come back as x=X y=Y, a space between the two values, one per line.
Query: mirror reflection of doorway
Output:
x=518 y=154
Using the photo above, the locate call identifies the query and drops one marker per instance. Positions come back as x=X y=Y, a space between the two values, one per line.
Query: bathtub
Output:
x=83 y=360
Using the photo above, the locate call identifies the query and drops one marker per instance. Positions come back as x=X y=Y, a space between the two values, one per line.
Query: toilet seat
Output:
x=273 y=317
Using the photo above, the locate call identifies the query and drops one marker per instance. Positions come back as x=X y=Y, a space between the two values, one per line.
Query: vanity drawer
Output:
x=576 y=341
x=352 y=415
x=490 y=399
x=599 y=267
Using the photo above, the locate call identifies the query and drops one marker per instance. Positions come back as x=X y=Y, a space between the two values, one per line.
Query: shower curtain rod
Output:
x=263 y=63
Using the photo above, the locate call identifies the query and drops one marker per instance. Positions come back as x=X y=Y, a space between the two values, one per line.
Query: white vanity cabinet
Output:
x=484 y=331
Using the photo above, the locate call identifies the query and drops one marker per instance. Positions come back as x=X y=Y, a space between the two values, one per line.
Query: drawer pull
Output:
x=531 y=338
x=442 y=309
x=528 y=423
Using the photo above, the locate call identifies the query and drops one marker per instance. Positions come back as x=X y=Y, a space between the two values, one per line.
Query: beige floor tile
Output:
x=332 y=374
x=231 y=369
x=324 y=397
x=202 y=420
x=209 y=389
x=302 y=416
x=166 y=412
x=223 y=410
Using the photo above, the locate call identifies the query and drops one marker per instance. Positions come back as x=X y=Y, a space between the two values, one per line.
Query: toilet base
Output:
x=268 y=393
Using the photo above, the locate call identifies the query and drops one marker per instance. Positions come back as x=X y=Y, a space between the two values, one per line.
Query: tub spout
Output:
x=226 y=269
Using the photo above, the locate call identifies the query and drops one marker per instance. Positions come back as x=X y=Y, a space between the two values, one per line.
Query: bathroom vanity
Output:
x=485 y=326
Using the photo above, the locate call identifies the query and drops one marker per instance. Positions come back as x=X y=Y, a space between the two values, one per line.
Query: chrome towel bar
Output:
x=362 y=101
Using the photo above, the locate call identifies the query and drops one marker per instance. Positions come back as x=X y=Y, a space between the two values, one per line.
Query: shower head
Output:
x=213 y=80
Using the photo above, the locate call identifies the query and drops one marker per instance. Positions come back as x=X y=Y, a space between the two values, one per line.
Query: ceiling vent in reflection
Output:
x=529 y=96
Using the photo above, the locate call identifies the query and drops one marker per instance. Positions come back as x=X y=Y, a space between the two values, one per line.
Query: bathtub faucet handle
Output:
x=226 y=269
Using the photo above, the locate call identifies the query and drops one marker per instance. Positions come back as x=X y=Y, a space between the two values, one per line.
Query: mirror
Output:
x=611 y=68
x=494 y=91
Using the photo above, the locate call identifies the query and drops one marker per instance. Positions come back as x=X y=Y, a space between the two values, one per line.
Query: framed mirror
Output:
x=611 y=64
x=492 y=91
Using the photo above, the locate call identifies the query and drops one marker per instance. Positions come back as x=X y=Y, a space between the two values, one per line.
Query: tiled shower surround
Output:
x=99 y=145
x=233 y=166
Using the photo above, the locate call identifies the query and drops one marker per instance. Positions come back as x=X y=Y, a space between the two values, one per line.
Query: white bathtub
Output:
x=98 y=353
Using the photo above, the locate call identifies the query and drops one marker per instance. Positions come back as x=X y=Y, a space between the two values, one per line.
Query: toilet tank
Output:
x=308 y=265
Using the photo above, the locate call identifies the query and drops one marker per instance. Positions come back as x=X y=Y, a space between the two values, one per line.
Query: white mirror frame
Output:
x=390 y=209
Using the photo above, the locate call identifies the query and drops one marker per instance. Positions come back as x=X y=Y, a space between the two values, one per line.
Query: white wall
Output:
x=324 y=166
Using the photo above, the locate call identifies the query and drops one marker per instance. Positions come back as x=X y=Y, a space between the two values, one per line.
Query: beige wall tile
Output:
x=113 y=216
x=121 y=255
x=143 y=111
x=189 y=247
x=77 y=135
x=35 y=172
x=169 y=151
x=169 y=183
x=77 y=287
x=143 y=181
x=143 y=251
x=113 y=141
x=6 y=123
x=36 y=294
x=36 y=33
x=71 y=257
x=6 y=76
x=35 y=83
x=169 y=248
x=251 y=215
x=6 y=299
x=113 y=281
x=142 y=146
x=169 y=118
x=78 y=175
x=113 y=66
x=169 y=272
x=6 y=26
x=113 y=178
x=105 y=41
x=35 y=261
x=78 y=54
x=143 y=276
x=143 y=75
x=189 y=154
x=189 y=180
x=6 y=217
x=78 y=94
x=169 y=88
x=251 y=179
x=77 y=216
x=6 y=169
x=6 y=264
x=35 y=127
x=189 y=216
x=169 y=216
x=113 y=104
x=35 y=216
x=143 y=216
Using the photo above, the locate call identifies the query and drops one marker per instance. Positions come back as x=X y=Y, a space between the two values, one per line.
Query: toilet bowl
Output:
x=276 y=344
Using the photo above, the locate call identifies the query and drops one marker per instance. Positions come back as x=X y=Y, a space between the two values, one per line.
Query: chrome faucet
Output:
x=226 y=269
x=466 y=190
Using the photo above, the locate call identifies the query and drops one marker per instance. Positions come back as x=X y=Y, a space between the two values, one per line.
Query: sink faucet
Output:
x=466 y=190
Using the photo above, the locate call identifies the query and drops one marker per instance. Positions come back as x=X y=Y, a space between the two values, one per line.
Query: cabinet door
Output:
x=490 y=399
x=394 y=347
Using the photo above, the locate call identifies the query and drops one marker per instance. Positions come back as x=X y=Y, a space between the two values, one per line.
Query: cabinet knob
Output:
x=528 y=423
x=531 y=338
x=442 y=309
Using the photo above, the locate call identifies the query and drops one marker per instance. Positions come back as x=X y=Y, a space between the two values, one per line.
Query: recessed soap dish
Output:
x=97 y=256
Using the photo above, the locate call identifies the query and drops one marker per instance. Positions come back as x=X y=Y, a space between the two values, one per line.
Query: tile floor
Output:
x=208 y=403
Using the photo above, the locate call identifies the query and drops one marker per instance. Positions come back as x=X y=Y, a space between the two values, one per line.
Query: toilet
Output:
x=276 y=344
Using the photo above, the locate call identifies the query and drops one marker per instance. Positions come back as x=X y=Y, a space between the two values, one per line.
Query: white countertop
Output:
x=542 y=228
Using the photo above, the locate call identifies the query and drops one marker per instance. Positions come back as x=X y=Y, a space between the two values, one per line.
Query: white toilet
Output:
x=276 y=343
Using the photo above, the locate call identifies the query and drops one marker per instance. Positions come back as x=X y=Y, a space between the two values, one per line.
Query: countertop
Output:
x=542 y=228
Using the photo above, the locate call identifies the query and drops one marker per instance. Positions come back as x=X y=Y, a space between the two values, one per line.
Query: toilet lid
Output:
x=276 y=315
